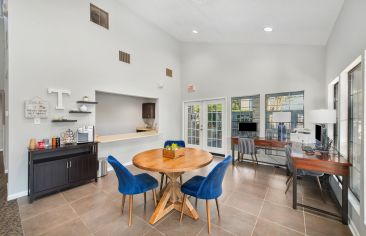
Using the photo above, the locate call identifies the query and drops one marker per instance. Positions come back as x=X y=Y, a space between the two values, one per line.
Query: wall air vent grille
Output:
x=169 y=72
x=98 y=16
x=125 y=57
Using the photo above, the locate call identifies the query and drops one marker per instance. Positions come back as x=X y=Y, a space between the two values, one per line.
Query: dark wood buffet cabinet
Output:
x=55 y=169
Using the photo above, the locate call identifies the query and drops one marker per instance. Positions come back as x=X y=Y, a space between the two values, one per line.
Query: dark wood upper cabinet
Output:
x=148 y=110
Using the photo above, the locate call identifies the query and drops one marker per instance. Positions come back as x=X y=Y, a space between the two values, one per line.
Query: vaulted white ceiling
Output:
x=242 y=21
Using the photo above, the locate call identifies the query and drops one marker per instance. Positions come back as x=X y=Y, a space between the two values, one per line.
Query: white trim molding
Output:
x=17 y=195
x=353 y=228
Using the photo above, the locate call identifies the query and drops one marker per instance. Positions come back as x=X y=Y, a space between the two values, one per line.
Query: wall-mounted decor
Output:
x=59 y=92
x=36 y=108
x=169 y=72
x=125 y=57
x=98 y=16
x=191 y=88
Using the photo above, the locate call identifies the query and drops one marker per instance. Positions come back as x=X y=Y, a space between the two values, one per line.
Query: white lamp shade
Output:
x=281 y=117
x=323 y=116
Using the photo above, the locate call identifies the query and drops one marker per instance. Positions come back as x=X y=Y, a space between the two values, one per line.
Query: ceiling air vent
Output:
x=125 y=57
x=169 y=72
x=98 y=16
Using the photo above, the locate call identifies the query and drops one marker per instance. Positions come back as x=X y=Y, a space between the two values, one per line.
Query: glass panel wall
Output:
x=355 y=122
x=336 y=107
x=284 y=102
x=245 y=109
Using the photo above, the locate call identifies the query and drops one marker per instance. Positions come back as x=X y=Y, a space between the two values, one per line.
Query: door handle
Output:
x=67 y=165
x=70 y=164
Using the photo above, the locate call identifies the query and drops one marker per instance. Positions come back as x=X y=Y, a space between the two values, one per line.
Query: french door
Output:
x=205 y=125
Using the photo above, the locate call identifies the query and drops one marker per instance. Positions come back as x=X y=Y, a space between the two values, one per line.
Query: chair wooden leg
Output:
x=256 y=159
x=195 y=204
x=123 y=202
x=208 y=216
x=144 y=200
x=181 y=179
x=218 y=208
x=289 y=184
x=182 y=209
x=161 y=182
x=130 y=211
x=154 y=196
x=288 y=179
x=321 y=189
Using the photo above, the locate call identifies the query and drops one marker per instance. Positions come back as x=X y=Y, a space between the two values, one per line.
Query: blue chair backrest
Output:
x=126 y=180
x=180 y=143
x=211 y=187
x=288 y=158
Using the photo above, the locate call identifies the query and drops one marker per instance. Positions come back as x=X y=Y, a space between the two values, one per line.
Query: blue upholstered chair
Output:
x=180 y=143
x=290 y=168
x=129 y=184
x=207 y=188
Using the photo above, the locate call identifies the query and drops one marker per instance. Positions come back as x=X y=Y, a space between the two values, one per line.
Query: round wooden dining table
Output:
x=153 y=160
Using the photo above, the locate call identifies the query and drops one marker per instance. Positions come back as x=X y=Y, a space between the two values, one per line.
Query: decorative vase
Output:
x=32 y=144
x=282 y=134
x=83 y=108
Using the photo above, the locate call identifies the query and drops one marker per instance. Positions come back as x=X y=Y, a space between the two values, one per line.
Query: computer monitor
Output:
x=318 y=134
x=248 y=126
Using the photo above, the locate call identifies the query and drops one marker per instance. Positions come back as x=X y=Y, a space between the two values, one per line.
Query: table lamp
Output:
x=281 y=118
x=323 y=117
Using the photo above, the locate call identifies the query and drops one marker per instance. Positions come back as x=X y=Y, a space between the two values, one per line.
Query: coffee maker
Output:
x=85 y=134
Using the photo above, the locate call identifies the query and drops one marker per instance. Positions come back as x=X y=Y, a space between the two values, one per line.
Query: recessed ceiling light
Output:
x=268 y=29
x=195 y=31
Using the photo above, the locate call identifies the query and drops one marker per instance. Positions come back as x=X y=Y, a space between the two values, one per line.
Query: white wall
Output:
x=346 y=43
x=226 y=70
x=54 y=44
x=118 y=114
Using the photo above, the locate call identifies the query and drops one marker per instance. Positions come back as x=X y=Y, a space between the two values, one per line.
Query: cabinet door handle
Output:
x=70 y=164
x=67 y=165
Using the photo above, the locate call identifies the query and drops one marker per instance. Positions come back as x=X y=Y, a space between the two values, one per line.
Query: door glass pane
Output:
x=193 y=124
x=355 y=123
x=214 y=125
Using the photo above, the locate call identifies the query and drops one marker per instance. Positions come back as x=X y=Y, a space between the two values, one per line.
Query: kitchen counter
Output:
x=122 y=137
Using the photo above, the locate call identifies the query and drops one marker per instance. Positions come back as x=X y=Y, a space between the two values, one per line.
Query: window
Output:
x=355 y=123
x=284 y=102
x=336 y=107
x=98 y=16
x=244 y=109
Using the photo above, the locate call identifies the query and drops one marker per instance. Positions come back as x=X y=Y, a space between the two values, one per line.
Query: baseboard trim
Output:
x=353 y=228
x=17 y=195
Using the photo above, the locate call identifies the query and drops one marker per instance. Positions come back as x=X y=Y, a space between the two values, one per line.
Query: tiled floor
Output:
x=253 y=203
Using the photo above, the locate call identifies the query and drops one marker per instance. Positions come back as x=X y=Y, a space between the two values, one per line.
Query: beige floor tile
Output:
x=43 y=222
x=246 y=202
x=318 y=203
x=319 y=226
x=284 y=216
x=39 y=206
x=119 y=226
x=279 y=197
x=268 y=228
x=171 y=225
x=234 y=220
x=80 y=192
x=215 y=231
x=72 y=228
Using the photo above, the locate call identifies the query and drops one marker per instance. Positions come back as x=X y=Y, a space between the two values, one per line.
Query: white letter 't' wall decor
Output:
x=59 y=96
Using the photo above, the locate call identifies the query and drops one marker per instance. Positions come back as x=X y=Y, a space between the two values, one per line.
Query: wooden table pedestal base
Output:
x=172 y=200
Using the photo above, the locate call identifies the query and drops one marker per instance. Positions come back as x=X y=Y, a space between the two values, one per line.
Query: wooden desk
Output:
x=153 y=160
x=329 y=163
x=260 y=143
